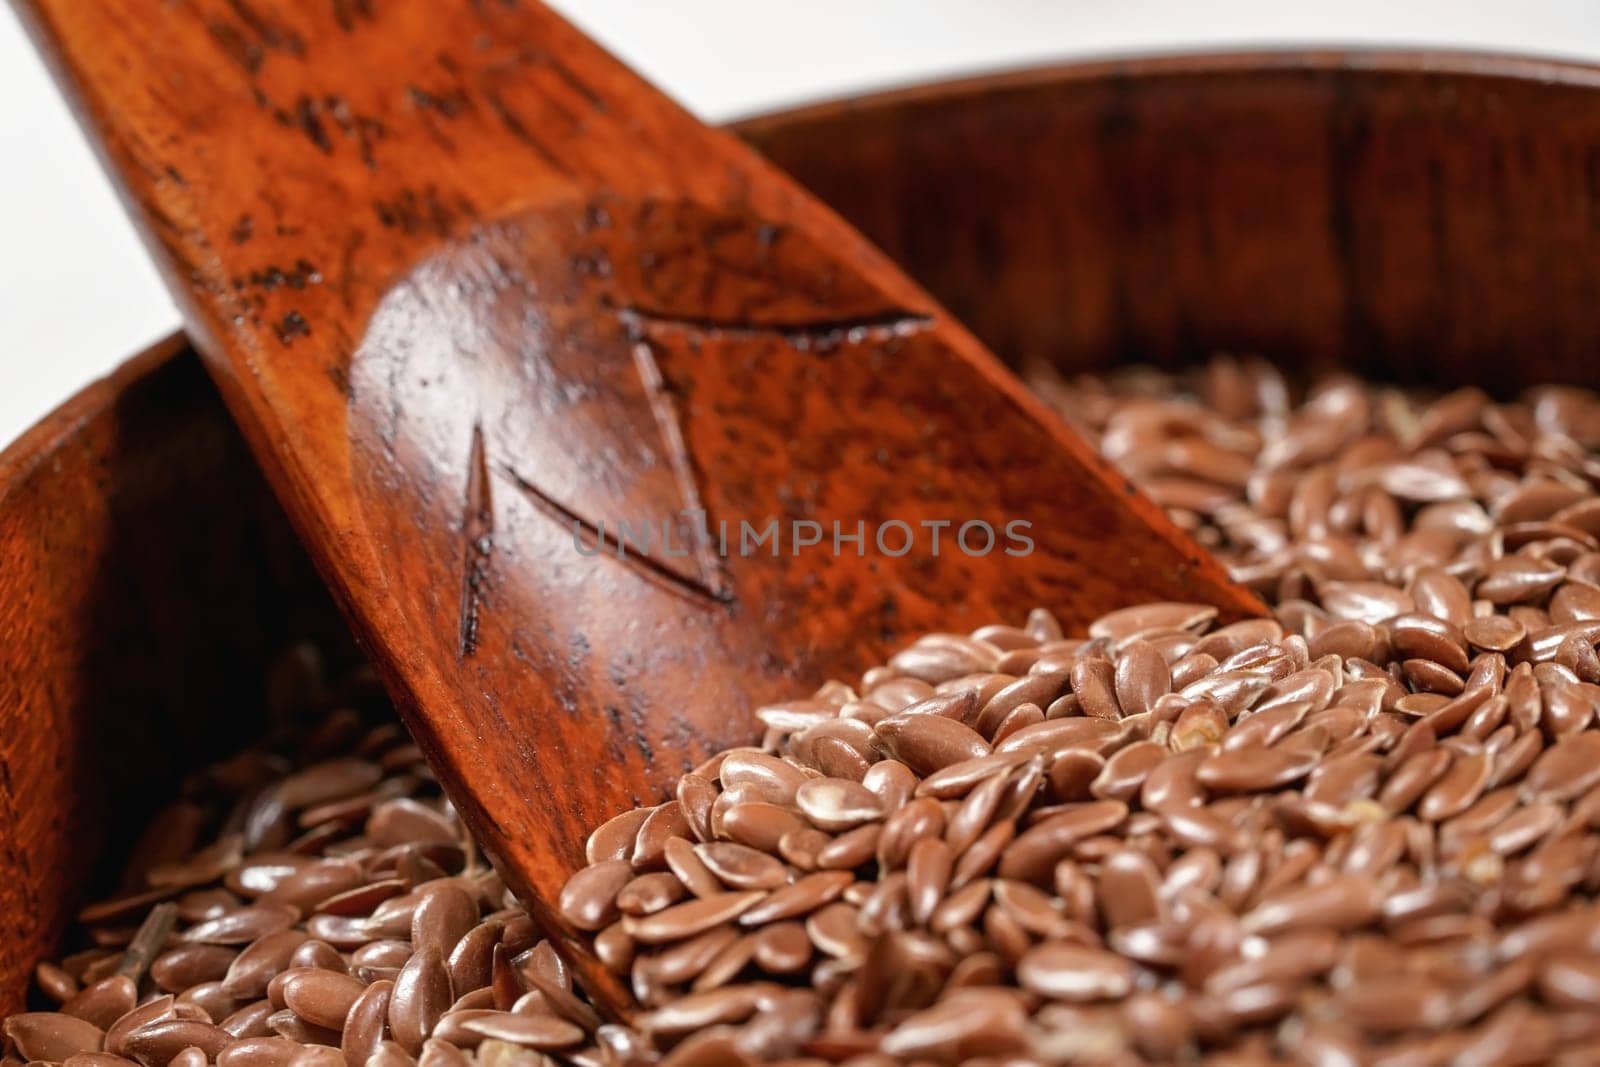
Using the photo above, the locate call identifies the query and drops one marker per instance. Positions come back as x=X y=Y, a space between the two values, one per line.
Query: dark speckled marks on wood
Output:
x=578 y=85
x=449 y=103
x=298 y=275
x=423 y=211
x=641 y=733
x=348 y=13
x=339 y=375
x=320 y=117
x=290 y=327
x=247 y=35
x=307 y=118
x=436 y=108
x=515 y=126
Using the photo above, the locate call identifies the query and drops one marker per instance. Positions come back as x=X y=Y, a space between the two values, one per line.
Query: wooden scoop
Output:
x=479 y=295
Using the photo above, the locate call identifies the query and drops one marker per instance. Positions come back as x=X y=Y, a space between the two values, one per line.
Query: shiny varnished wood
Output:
x=147 y=580
x=1422 y=217
x=136 y=500
x=477 y=295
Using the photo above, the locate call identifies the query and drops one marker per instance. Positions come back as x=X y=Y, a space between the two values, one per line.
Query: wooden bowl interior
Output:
x=147 y=579
x=1421 y=219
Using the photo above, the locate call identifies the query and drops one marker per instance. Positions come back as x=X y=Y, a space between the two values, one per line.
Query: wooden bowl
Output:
x=1421 y=217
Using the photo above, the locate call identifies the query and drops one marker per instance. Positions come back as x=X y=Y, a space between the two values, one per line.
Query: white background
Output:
x=76 y=295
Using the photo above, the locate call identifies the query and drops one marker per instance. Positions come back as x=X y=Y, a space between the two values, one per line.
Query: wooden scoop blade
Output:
x=479 y=296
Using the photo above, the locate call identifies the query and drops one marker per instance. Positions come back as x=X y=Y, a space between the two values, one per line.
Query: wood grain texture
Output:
x=105 y=506
x=147 y=578
x=1421 y=217
x=475 y=293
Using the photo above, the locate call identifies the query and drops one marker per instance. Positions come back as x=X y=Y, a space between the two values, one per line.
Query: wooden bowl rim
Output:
x=26 y=456
x=1176 y=65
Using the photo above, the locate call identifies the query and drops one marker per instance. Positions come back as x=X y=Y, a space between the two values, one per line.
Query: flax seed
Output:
x=1362 y=830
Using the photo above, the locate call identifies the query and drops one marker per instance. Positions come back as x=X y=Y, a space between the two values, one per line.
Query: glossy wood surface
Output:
x=477 y=294
x=1419 y=217
x=106 y=507
x=147 y=579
